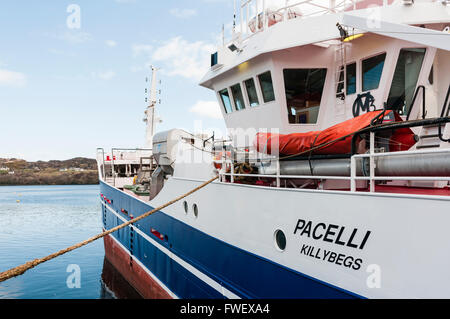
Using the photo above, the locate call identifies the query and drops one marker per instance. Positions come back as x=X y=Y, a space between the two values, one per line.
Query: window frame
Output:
x=356 y=78
x=233 y=97
x=262 y=91
x=322 y=97
x=392 y=75
x=223 y=103
x=361 y=81
x=256 y=90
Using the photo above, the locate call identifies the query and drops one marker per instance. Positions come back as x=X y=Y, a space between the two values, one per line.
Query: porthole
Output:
x=195 y=210
x=280 y=240
x=185 y=206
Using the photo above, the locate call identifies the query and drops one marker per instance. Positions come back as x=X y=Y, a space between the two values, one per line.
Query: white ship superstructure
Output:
x=334 y=181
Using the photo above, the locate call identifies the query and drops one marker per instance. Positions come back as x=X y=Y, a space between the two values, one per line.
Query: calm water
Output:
x=47 y=219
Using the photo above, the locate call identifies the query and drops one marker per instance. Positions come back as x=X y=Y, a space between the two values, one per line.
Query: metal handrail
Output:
x=260 y=13
x=424 y=112
x=372 y=178
x=352 y=178
x=379 y=178
x=123 y=149
x=398 y=125
x=101 y=168
x=446 y=104
x=131 y=149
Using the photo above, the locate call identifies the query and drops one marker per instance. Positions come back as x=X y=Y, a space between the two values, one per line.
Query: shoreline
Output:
x=50 y=177
x=14 y=185
x=76 y=171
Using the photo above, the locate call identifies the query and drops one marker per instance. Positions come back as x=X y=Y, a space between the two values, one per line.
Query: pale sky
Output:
x=69 y=85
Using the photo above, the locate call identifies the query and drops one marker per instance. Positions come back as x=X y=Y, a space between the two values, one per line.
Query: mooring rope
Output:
x=20 y=270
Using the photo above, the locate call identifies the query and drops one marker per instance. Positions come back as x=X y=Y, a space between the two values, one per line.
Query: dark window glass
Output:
x=225 y=97
x=280 y=238
x=372 y=68
x=340 y=84
x=214 y=57
x=303 y=93
x=238 y=97
x=351 y=78
x=251 y=92
x=351 y=81
x=431 y=76
x=265 y=80
x=405 y=78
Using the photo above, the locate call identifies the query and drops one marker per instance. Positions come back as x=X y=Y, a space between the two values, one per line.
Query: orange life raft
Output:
x=295 y=143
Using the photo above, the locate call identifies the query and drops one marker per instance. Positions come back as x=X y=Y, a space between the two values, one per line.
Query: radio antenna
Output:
x=150 y=111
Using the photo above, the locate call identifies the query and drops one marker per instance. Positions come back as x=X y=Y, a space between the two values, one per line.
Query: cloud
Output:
x=11 y=78
x=62 y=52
x=70 y=36
x=177 y=57
x=111 y=43
x=217 y=1
x=135 y=68
x=209 y=109
x=180 y=57
x=139 y=49
x=183 y=13
x=108 y=75
x=75 y=37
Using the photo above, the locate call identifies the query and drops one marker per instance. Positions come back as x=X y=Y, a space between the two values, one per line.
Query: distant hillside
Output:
x=75 y=171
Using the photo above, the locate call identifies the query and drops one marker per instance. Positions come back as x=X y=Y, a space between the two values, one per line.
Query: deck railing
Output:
x=256 y=13
x=372 y=177
x=118 y=156
x=228 y=163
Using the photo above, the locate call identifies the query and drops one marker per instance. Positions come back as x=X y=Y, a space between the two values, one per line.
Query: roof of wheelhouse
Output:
x=395 y=21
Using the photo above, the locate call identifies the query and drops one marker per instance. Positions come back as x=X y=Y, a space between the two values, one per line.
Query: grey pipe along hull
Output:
x=432 y=164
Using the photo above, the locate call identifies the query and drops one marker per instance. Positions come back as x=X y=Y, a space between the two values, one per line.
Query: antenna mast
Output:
x=150 y=111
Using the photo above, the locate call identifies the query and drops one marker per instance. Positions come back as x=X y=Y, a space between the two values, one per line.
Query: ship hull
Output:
x=136 y=274
x=338 y=248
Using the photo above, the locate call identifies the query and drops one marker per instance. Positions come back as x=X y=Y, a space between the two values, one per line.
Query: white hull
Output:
x=406 y=247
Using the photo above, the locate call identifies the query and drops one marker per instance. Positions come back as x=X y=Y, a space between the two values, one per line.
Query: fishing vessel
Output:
x=333 y=179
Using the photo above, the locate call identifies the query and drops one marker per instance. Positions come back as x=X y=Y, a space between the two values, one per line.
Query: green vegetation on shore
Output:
x=76 y=171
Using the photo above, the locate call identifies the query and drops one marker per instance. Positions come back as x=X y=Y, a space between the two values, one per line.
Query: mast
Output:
x=150 y=111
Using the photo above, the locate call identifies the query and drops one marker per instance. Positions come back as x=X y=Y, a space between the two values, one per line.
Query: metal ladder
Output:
x=340 y=74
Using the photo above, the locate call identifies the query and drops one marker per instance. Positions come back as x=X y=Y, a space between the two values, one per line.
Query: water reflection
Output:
x=114 y=286
x=47 y=219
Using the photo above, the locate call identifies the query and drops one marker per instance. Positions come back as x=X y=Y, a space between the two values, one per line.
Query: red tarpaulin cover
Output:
x=295 y=143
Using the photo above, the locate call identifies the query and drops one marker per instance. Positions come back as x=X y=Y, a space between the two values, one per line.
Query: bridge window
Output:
x=351 y=78
x=238 y=97
x=404 y=83
x=214 y=59
x=372 y=68
x=251 y=92
x=226 y=101
x=265 y=80
x=304 y=89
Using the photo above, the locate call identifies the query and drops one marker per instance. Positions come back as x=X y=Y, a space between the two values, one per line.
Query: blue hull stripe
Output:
x=241 y=272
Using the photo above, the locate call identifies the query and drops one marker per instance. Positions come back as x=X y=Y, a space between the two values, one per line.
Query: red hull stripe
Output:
x=132 y=271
